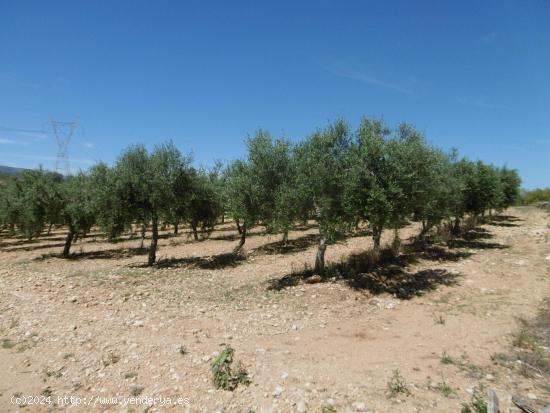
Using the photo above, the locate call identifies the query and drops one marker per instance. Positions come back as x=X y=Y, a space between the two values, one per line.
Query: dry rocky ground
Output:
x=100 y=325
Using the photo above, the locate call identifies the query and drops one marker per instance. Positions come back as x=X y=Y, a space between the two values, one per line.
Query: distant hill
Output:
x=6 y=172
x=10 y=169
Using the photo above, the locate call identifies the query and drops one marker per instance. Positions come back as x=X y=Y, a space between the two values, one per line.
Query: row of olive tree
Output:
x=142 y=188
x=341 y=178
x=337 y=177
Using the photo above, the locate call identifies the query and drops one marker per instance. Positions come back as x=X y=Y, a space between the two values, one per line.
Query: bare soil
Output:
x=101 y=325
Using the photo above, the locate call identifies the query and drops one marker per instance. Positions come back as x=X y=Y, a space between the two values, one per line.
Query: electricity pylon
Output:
x=63 y=132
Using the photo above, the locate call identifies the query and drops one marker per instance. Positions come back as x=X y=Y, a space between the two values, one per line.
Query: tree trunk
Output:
x=285 y=238
x=195 y=233
x=376 y=235
x=223 y=217
x=320 y=257
x=154 y=242
x=239 y=228
x=396 y=244
x=176 y=228
x=456 y=227
x=143 y=229
x=242 y=240
x=50 y=228
x=68 y=242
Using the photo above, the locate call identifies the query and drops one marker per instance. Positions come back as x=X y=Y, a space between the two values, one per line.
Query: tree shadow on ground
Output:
x=502 y=220
x=211 y=262
x=291 y=246
x=30 y=245
x=6 y=245
x=115 y=253
x=475 y=244
x=33 y=247
x=386 y=272
x=235 y=236
x=383 y=273
x=404 y=285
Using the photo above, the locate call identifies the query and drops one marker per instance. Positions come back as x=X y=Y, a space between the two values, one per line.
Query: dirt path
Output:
x=101 y=327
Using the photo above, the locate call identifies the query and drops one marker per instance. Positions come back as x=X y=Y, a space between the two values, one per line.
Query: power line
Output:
x=8 y=129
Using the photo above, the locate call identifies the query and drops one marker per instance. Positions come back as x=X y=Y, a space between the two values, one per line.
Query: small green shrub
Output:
x=397 y=385
x=478 y=403
x=446 y=359
x=224 y=378
x=445 y=389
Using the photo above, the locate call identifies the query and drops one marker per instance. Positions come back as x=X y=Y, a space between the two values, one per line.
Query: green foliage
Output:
x=483 y=188
x=321 y=171
x=30 y=200
x=151 y=187
x=114 y=215
x=256 y=185
x=204 y=204
x=510 y=184
x=535 y=195
x=223 y=375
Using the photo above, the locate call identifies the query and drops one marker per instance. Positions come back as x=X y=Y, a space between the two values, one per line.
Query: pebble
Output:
x=277 y=391
x=359 y=406
x=531 y=396
x=301 y=407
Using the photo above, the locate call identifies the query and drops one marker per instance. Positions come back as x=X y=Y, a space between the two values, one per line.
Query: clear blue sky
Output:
x=470 y=74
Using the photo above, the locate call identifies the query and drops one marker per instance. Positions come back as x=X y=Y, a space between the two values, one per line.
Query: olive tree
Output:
x=321 y=173
x=425 y=177
x=204 y=204
x=150 y=186
x=31 y=200
x=78 y=210
x=253 y=184
x=373 y=189
x=244 y=204
x=510 y=184
x=114 y=213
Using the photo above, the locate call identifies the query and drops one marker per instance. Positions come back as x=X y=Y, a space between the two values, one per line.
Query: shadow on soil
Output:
x=291 y=246
x=503 y=221
x=115 y=253
x=387 y=272
x=212 y=262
